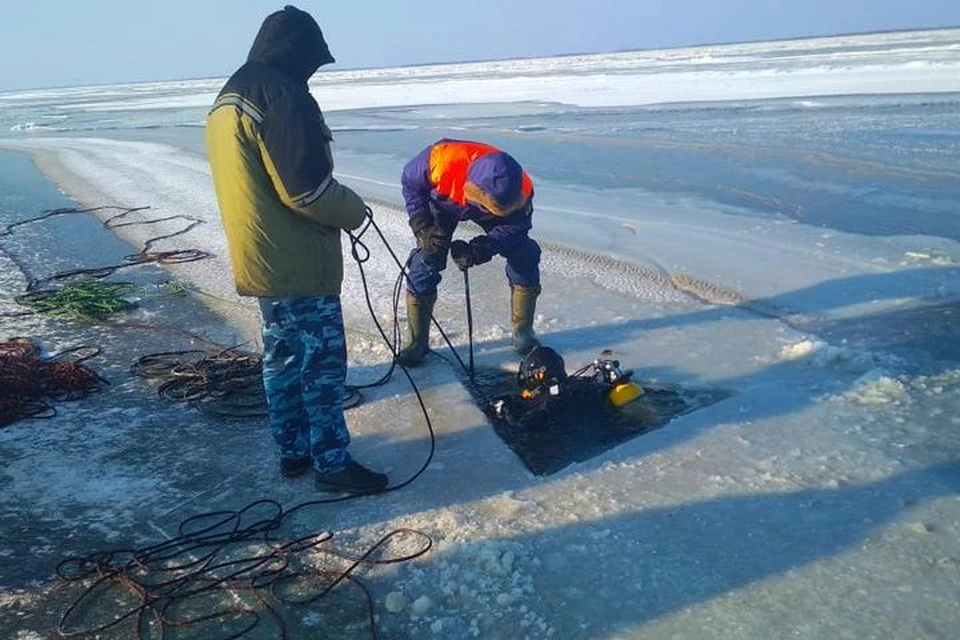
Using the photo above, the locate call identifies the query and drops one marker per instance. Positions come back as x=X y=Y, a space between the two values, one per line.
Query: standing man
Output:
x=455 y=180
x=283 y=213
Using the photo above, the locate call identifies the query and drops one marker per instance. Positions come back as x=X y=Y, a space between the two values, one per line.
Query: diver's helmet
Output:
x=542 y=368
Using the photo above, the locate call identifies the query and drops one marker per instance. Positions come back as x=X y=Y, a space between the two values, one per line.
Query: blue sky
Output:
x=75 y=42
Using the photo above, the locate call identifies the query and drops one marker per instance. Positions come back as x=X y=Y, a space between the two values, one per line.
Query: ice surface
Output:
x=820 y=499
x=813 y=479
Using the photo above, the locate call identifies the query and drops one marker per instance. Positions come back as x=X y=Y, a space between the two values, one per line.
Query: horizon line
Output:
x=513 y=58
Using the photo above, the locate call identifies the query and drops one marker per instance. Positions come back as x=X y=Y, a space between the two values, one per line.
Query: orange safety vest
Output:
x=449 y=163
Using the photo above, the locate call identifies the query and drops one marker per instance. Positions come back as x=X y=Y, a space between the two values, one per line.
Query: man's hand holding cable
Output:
x=468 y=254
x=431 y=238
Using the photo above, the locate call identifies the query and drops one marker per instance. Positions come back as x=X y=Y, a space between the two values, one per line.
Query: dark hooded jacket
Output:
x=269 y=152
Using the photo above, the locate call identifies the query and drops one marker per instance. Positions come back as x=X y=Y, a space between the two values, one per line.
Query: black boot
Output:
x=293 y=467
x=355 y=478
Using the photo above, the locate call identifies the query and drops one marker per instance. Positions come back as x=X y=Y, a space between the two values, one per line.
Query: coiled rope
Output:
x=226 y=383
x=29 y=382
x=224 y=574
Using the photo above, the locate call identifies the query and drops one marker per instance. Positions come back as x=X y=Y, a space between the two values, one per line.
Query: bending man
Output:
x=455 y=180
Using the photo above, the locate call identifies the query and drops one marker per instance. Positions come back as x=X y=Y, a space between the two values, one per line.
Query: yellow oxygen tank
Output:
x=624 y=392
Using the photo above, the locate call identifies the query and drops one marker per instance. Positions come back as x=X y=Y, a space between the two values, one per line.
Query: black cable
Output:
x=466 y=292
x=228 y=382
x=361 y=254
x=223 y=552
x=144 y=256
x=397 y=290
x=59 y=212
x=200 y=560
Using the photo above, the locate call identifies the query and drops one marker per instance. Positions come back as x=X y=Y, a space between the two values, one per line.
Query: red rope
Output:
x=27 y=381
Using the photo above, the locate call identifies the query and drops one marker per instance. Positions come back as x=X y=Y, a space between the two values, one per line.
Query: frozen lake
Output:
x=777 y=220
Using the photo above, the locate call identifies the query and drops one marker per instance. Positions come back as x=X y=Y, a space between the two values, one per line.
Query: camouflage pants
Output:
x=304 y=369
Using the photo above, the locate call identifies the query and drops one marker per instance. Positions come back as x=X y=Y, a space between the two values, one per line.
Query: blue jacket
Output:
x=464 y=180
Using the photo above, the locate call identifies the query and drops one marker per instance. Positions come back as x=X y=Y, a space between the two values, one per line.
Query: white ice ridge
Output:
x=912 y=62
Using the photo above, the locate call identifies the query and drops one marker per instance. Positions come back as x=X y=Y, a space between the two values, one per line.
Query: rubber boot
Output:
x=523 y=304
x=419 y=313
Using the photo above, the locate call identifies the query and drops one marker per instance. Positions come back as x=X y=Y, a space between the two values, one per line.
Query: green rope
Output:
x=83 y=301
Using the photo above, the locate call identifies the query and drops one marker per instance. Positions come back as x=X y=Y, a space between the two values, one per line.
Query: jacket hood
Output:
x=495 y=182
x=291 y=41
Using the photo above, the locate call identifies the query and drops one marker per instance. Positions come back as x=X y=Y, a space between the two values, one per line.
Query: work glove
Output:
x=469 y=254
x=431 y=238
